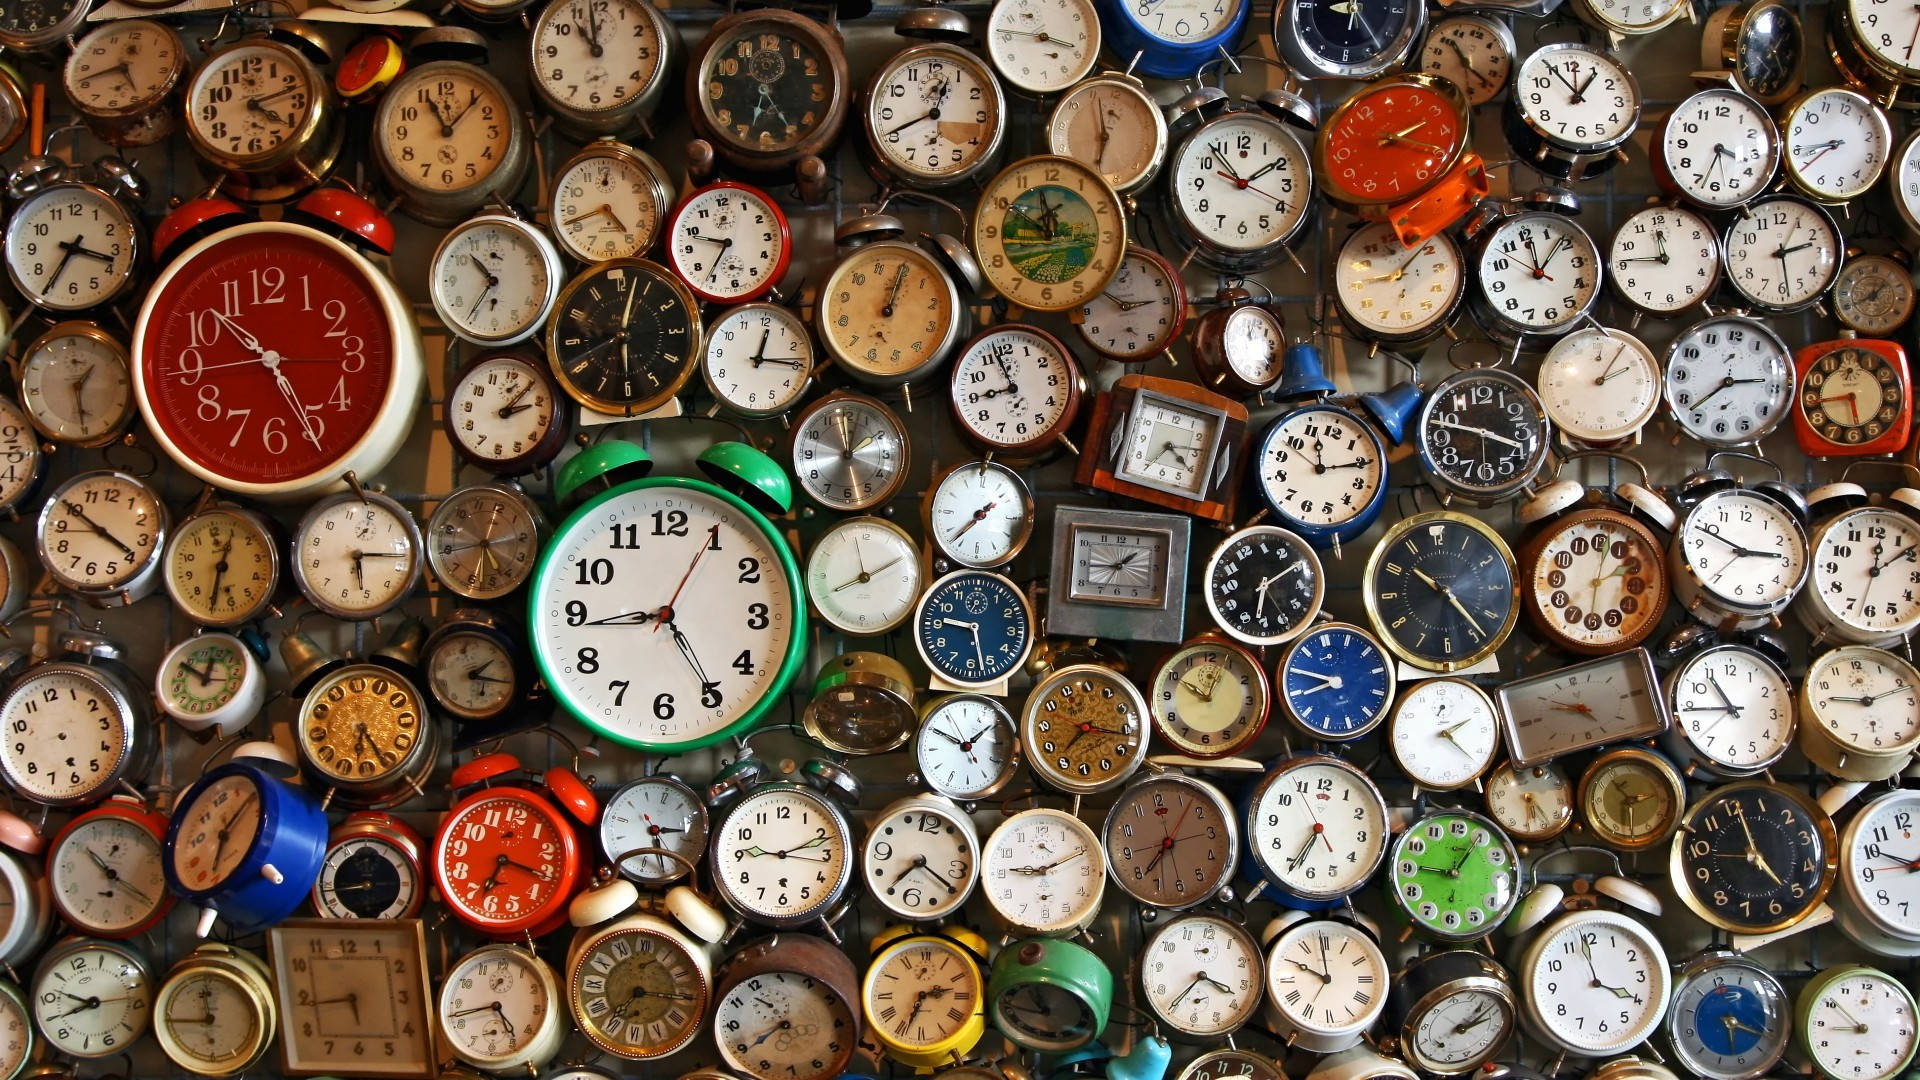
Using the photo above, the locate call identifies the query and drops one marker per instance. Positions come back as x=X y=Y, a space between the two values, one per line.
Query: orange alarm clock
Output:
x=1853 y=396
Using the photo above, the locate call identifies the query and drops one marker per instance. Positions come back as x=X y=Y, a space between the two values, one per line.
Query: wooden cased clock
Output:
x=1166 y=442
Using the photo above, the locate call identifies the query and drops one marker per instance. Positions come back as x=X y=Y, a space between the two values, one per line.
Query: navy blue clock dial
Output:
x=1264 y=585
x=1337 y=682
x=1441 y=591
x=1754 y=856
x=973 y=627
x=1349 y=32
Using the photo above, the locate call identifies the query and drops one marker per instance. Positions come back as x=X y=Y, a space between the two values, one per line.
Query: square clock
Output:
x=1118 y=574
x=353 y=997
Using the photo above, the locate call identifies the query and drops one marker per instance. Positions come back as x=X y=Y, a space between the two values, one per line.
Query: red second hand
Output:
x=666 y=613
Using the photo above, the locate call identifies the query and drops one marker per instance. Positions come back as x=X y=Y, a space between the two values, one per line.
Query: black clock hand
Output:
x=1725 y=382
x=60 y=268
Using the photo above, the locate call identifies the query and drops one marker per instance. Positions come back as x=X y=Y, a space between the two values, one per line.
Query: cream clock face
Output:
x=595 y=56
x=1043 y=870
x=935 y=113
x=1202 y=975
x=448 y=128
x=783 y=1026
x=1327 y=977
x=864 y=576
x=106 y=875
x=784 y=854
x=250 y=100
x=93 y=1000
x=494 y=1004
x=210 y=1019
x=1388 y=291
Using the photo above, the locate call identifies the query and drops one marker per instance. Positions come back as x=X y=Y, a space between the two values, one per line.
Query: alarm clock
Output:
x=245 y=846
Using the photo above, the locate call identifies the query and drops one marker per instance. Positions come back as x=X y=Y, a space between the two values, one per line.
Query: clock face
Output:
x=1170 y=842
x=75 y=385
x=608 y=205
x=973 y=628
x=1600 y=386
x=1169 y=446
x=1533 y=802
x=1322 y=468
x=784 y=1025
x=863 y=576
x=267 y=358
x=70 y=247
x=1306 y=820
x=1336 y=682
x=20 y=460
x=1837 y=143
x=1729 y=380
x=638 y=993
x=1251 y=343
x=1729 y=1018
x=1327 y=977
x=444 y=127
x=624 y=336
x=1863 y=698
x=1462 y=1029
x=1201 y=975
x=1782 y=253
x=1394 y=140
x=1875 y=859
x=1015 y=388
x=1262 y=198
x=1390 y=293
x=1085 y=727
x=1210 y=698
x=1851 y=556
x=505 y=861
x=1181 y=22
x=214 y=832
x=1441 y=591
x=908 y=974
x=1608 y=969
x=1264 y=585
x=888 y=312
x=967 y=746
x=358 y=990
x=1141 y=311
x=1719 y=148
x=782 y=855
x=1538 y=273
x=1483 y=433
x=501 y=411
x=100 y=531
x=758 y=359
x=494 y=279
x=1455 y=874
x=367 y=877
x=1851 y=396
x=495 y=1002
x=1475 y=51
x=1607 y=699
x=1596 y=581
x=1769 y=52
x=1041 y=871
x=105 y=875
x=1043 y=46
x=482 y=541
x=1733 y=707
x=935 y=113
x=251 y=100
x=114 y=992
x=1049 y=233
x=361 y=724
x=728 y=242
x=1665 y=259
x=1874 y=295
x=1636 y=16
x=596 y=56
x=1859 y=1024
x=70 y=734
x=1119 y=565
x=1577 y=96
x=1745 y=549
x=221 y=566
x=1351 y=41
x=980 y=514
x=212 y=1020
x=921 y=861
x=850 y=452
x=731 y=623
x=1113 y=125
x=1444 y=733
x=766 y=87
x=1755 y=857
x=653 y=812
x=1631 y=799
x=357 y=555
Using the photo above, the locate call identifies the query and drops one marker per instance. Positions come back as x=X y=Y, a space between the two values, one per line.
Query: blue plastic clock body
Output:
x=1746 y=1009
x=1137 y=26
x=973 y=627
x=291 y=837
x=1320 y=535
x=1336 y=682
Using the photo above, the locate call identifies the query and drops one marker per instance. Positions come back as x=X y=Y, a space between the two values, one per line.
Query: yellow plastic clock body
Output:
x=924 y=994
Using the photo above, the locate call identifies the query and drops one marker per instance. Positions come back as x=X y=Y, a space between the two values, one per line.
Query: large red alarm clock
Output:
x=270 y=359
x=506 y=859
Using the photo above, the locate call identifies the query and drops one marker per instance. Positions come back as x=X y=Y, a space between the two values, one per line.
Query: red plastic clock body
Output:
x=1398 y=151
x=507 y=862
x=1854 y=396
x=702 y=248
x=128 y=809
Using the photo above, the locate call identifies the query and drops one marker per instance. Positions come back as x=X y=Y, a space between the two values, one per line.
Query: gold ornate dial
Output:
x=361 y=724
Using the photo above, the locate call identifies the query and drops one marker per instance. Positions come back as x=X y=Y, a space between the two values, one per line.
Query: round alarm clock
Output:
x=211 y=681
x=104 y=869
x=506 y=858
x=1049 y=996
x=1316 y=830
x=372 y=869
x=245 y=846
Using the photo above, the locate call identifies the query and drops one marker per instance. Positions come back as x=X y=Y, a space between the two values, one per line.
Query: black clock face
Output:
x=624 y=334
x=766 y=89
x=1755 y=857
x=1351 y=32
x=366 y=884
x=1264 y=584
x=1483 y=432
x=26 y=16
x=1769 y=51
x=1440 y=590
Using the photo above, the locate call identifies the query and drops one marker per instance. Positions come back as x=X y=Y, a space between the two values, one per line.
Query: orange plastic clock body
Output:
x=1398 y=151
x=1854 y=396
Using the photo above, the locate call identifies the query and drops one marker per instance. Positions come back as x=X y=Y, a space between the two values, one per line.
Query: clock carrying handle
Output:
x=1501 y=357
x=924 y=197
x=1910 y=471
x=1229 y=63
x=1562 y=17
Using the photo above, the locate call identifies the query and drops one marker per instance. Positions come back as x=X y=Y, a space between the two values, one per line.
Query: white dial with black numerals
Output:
x=1015 y=388
x=1327 y=980
x=501 y=410
x=1665 y=259
x=1577 y=95
x=921 y=859
x=757 y=359
x=1043 y=46
x=1140 y=312
x=1729 y=380
x=1837 y=143
x=1538 y=273
x=1321 y=467
x=494 y=279
x=105 y=875
x=1305 y=820
x=1609 y=972
x=92 y=999
x=1742 y=548
x=70 y=247
x=1858 y=1023
x=1201 y=974
x=101 y=532
x=1719 y=148
x=250 y=99
x=967 y=747
x=782 y=855
x=1865 y=576
x=608 y=204
x=1241 y=182
x=357 y=556
x=728 y=242
x=1043 y=872
x=1782 y=253
x=935 y=114
x=69 y=734
x=1733 y=707
x=76 y=385
x=1600 y=386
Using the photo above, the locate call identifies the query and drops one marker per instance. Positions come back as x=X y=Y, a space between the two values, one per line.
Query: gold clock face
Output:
x=886 y=310
x=445 y=127
x=1086 y=728
x=1049 y=232
x=638 y=994
x=360 y=724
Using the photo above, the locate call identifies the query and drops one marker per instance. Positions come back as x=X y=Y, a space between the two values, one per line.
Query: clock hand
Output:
x=865 y=576
x=666 y=612
x=60 y=268
x=95 y=527
x=1052 y=866
x=686 y=650
x=1858 y=1027
x=1724 y=383
x=512 y=404
x=301 y=415
x=493 y=281
x=1472 y=69
x=1482 y=432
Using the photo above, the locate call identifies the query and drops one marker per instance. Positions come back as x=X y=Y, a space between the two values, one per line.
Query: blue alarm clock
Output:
x=973 y=628
x=1172 y=38
x=1322 y=470
x=246 y=846
x=1336 y=682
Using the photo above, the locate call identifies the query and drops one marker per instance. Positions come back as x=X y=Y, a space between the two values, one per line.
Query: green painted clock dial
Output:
x=1454 y=876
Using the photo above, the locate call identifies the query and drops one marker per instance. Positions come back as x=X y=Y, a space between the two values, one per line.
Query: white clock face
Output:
x=935 y=113
x=1862 y=1025
x=1539 y=272
x=1729 y=380
x=1904 y=176
x=1836 y=143
x=70 y=247
x=1444 y=733
x=1042 y=871
x=1865 y=698
x=357 y=556
x=782 y=853
x=1327 y=977
x=19 y=455
x=92 y=1001
x=607 y=206
x=1720 y=147
x=1665 y=259
x=16 y=1035
x=1636 y=14
x=1611 y=974
x=980 y=515
x=122 y=66
x=595 y=56
x=758 y=359
x=920 y=862
x=212 y=1018
x=502 y=408
x=728 y=242
x=1119 y=565
x=966 y=746
x=783 y=1025
x=76 y=387
x=1322 y=467
x=1744 y=548
x=1474 y=51
x=1866 y=572
x=849 y=454
x=911 y=974
x=1242 y=181
x=1181 y=22
x=1252 y=343
x=1388 y=291
x=250 y=100
x=494 y=281
x=494 y=1004
x=1578 y=96
x=1169 y=446
x=1600 y=386
x=1043 y=46
x=106 y=875
x=1782 y=253
x=864 y=576
x=653 y=813
x=472 y=674
x=1462 y=1028
x=218 y=831
x=67 y=735
x=101 y=530
x=447 y=127
x=1306 y=821
x=1202 y=975
x=1883 y=843
x=1012 y=386
x=1889 y=32
x=1140 y=312
x=1734 y=707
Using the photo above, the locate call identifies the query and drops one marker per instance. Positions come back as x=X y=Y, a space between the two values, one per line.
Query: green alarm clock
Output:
x=1855 y=1022
x=668 y=613
x=1049 y=996
x=1454 y=876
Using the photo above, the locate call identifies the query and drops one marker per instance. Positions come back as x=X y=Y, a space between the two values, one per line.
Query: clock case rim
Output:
x=820 y=913
x=1230 y=824
x=290 y=822
x=1255 y=869
x=1510 y=732
x=537 y=920
x=826 y=41
x=624 y=117
x=1824 y=832
x=1698 y=967
x=449 y=207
